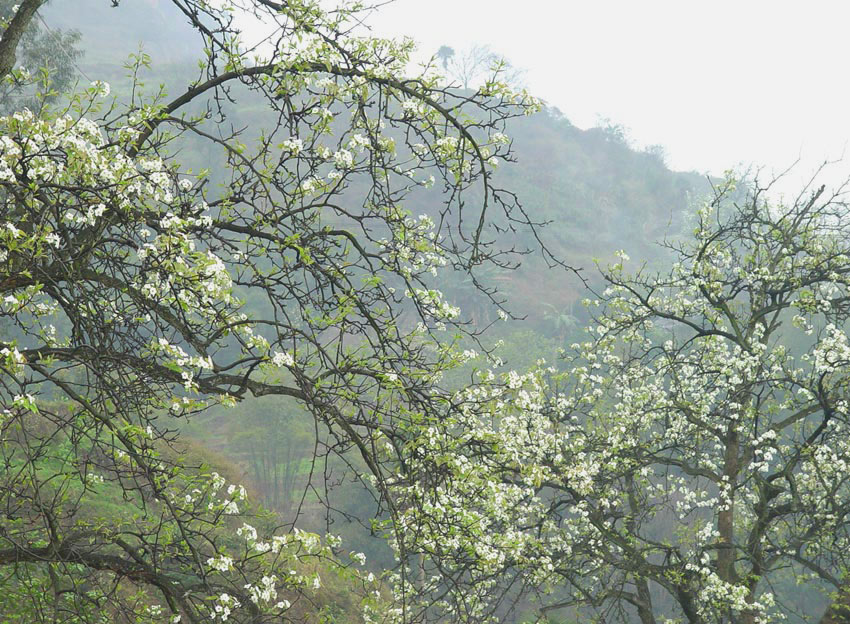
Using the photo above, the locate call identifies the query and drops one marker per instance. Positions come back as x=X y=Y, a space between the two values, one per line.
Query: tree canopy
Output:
x=690 y=464
x=126 y=279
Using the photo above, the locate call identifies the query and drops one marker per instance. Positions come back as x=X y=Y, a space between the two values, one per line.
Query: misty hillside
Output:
x=597 y=192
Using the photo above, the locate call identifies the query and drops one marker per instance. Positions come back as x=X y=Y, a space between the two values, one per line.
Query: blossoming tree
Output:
x=123 y=278
x=691 y=464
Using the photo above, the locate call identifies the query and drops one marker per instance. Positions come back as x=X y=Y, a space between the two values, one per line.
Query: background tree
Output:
x=278 y=447
x=689 y=465
x=445 y=53
x=476 y=64
x=49 y=55
x=125 y=274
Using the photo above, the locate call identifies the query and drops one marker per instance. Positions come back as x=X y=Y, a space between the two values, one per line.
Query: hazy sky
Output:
x=716 y=83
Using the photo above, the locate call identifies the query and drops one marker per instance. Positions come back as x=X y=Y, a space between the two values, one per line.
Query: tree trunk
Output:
x=726 y=518
x=644 y=605
x=10 y=37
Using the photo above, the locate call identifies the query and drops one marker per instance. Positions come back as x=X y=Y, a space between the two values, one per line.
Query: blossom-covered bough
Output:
x=691 y=463
x=131 y=286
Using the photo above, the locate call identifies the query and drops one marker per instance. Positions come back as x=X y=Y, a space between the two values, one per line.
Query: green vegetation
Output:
x=288 y=336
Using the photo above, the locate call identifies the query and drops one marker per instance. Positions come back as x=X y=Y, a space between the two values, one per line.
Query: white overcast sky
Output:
x=718 y=84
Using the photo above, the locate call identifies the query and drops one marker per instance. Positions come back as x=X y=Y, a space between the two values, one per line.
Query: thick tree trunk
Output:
x=644 y=606
x=12 y=35
x=726 y=518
